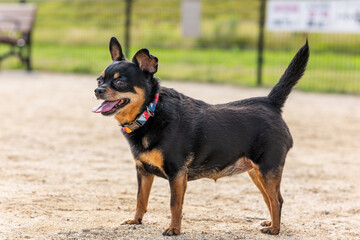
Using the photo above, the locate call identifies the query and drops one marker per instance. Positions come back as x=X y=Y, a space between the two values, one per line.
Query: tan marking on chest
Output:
x=128 y=113
x=154 y=158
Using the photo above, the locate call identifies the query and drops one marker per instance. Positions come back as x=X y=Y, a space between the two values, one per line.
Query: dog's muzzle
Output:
x=99 y=92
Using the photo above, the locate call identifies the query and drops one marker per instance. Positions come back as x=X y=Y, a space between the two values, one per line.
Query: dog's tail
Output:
x=291 y=76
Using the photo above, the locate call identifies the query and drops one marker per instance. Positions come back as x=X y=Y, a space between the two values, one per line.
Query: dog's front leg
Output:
x=145 y=181
x=178 y=188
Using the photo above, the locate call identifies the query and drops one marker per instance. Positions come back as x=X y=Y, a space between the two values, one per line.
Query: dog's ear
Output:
x=146 y=61
x=116 y=50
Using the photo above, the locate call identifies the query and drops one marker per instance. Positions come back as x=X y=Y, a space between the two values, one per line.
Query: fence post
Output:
x=127 y=27
x=261 y=42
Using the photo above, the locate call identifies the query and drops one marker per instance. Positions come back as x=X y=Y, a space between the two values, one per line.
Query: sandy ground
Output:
x=66 y=173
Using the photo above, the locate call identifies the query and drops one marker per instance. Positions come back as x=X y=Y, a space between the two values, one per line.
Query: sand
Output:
x=66 y=173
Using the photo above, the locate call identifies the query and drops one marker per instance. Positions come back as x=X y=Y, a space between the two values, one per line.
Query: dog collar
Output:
x=142 y=119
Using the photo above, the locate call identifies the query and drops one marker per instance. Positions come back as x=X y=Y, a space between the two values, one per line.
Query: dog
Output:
x=179 y=138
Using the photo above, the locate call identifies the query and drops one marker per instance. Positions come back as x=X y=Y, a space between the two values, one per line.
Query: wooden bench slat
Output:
x=25 y=24
x=22 y=7
x=24 y=14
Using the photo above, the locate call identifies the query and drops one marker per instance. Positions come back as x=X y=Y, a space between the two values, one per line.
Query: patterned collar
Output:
x=141 y=120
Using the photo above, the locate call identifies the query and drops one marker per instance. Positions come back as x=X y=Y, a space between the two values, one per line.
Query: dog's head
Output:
x=125 y=86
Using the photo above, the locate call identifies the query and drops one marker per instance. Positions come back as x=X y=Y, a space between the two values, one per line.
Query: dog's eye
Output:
x=119 y=83
x=100 y=81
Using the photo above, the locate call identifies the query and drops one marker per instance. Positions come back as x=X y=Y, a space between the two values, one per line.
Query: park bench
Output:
x=16 y=24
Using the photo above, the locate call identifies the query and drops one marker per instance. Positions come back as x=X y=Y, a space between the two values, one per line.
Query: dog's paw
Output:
x=172 y=231
x=270 y=230
x=133 y=221
x=266 y=223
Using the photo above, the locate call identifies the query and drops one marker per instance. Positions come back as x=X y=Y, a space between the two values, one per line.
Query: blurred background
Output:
x=72 y=36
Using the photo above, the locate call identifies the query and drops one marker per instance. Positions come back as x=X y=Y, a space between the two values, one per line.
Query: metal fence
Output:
x=225 y=52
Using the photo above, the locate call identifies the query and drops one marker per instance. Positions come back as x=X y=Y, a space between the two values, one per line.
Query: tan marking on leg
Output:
x=103 y=74
x=116 y=75
x=254 y=178
x=153 y=157
x=178 y=188
x=142 y=198
x=128 y=113
x=271 y=186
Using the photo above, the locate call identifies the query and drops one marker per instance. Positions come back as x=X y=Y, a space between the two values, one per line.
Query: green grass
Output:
x=72 y=37
x=233 y=66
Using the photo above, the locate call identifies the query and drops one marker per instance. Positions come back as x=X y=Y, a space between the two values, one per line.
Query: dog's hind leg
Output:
x=254 y=178
x=144 y=186
x=270 y=182
x=178 y=187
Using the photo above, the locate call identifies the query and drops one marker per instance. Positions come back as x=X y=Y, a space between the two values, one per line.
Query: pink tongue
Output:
x=105 y=106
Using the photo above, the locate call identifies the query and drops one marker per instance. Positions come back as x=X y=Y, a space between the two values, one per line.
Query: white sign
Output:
x=313 y=16
x=190 y=18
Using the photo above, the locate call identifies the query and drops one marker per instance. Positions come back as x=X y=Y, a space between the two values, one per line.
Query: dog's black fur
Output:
x=188 y=139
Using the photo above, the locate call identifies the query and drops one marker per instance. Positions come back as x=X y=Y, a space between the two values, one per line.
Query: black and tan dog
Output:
x=181 y=139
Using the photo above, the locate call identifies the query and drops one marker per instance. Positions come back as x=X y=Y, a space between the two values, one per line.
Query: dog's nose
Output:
x=99 y=91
